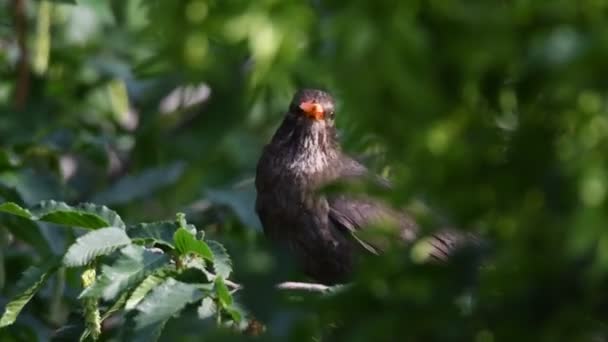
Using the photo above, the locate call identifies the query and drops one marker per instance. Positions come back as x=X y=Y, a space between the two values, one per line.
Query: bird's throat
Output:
x=311 y=149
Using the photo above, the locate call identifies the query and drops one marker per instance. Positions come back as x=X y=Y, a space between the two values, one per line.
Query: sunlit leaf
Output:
x=13 y=208
x=85 y=215
x=155 y=232
x=165 y=301
x=186 y=242
x=207 y=308
x=131 y=267
x=93 y=244
x=222 y=292
x=143 y=288
x=31 y=281
x=222 y=264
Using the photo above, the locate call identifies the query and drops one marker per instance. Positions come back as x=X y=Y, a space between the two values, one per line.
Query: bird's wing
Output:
x=351 y=215
x=441 y=245
x=351 y=169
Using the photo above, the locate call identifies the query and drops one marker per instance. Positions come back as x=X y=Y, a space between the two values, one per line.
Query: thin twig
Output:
x=232 y=284
x=291 y=285
x=288 y=285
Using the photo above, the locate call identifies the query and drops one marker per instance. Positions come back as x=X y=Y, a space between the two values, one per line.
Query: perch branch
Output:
x=291 y=285
x=288 y=285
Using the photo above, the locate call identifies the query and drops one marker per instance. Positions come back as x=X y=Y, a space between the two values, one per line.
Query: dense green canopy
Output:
x=491 y=116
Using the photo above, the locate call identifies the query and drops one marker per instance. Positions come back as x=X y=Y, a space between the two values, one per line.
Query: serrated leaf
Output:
x=165 y=301
x=22 y=228
x=93 y=244
x=222 y=264
x=28 y=232
x=157 y=232
x=143 y=289
x=185 y=243
x=31 y=281
x=131 y=267
x=207 y=308
x=141 y=185
x=85 y=215
x=118 y=304
x=222 y=292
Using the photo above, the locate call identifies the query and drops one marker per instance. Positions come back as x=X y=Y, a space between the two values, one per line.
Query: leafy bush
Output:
x=488 y=115
x=150 y=284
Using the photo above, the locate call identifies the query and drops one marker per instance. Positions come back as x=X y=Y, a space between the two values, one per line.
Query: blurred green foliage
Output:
x=492 y=113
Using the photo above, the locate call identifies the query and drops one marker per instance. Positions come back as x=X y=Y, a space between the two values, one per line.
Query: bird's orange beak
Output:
x=313 y=110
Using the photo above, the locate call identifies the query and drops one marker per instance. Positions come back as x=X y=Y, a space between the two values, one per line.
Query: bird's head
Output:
x=307 y=137
x=313 y=106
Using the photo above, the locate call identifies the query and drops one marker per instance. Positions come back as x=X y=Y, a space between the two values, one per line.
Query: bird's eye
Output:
x=331 y=115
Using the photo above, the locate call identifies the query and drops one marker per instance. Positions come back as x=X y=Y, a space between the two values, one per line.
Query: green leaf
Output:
x=186 y=242
x=222 y=292
x=13 y=208
x=85 y=215
x=222 y=265
x=22 y=228
x=32 y=186
x=141 y=185
x=165 y=301
x=31 y=281
x=8 y=159
x=118 y=304
x=240 y=200
x=93 y=244
x=207 y=308
x=143 y=288
x=157 y=232
x=236 y=312
x=131 y=267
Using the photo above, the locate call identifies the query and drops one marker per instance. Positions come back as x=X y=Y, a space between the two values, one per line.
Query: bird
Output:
x=320 y=230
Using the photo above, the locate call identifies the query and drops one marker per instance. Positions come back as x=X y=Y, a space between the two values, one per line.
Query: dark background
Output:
x=487 y=115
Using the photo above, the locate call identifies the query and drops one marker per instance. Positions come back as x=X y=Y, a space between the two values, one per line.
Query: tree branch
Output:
x=288 y=285
x=291 y=285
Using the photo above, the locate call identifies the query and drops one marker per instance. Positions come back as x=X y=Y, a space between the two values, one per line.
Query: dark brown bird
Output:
x=319 y=230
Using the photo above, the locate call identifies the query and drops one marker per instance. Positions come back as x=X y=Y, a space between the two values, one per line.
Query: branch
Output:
x=291 y=285
x=288 y=285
